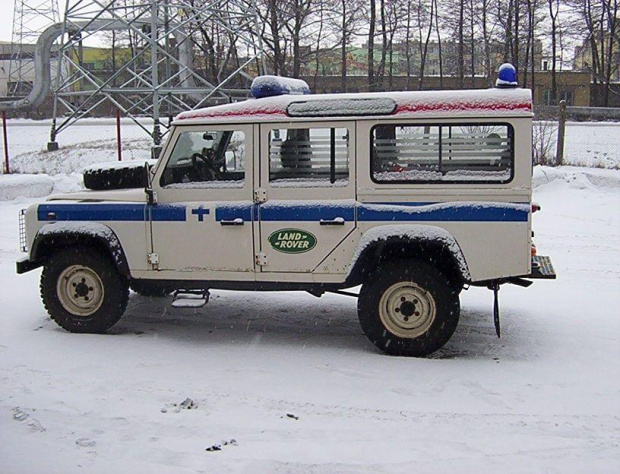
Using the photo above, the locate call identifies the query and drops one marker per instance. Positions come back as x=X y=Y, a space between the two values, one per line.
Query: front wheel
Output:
x=82 y=290
x=408 y=308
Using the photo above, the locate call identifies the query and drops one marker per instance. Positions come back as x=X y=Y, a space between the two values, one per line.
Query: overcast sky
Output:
x=6 y=17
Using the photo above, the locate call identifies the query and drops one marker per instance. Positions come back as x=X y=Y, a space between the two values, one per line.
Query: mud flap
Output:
x=495 y=288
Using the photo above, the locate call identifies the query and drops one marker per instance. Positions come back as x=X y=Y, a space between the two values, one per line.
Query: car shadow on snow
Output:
x=299 y=319
x=248 y=318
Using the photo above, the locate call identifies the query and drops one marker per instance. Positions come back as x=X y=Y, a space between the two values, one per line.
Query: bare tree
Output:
x=554 y=6
x=424 y=49
x=439 y=51
x=300 y=12
x=603 y=38
x=461 y=54
x=371 y=45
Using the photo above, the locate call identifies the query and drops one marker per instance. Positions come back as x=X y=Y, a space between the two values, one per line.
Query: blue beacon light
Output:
x=506 y=77
x=270 y=86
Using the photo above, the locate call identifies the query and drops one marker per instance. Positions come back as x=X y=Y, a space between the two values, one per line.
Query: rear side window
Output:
x=309 y=157
x=434 y=153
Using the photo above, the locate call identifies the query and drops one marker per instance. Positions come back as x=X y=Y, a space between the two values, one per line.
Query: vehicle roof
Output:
x=413 y=104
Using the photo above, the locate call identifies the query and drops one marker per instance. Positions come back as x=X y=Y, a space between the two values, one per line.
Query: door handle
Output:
x=335 y=221
x=237 y=221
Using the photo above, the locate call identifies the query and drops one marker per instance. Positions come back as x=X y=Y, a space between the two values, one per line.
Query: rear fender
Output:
x=423 y=242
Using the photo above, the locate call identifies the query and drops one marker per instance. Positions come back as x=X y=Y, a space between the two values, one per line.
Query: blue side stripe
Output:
x=228 y=213
x=168 y=213
x=92 y=212
x=298 y=212
x=109 y=212
x=450 y=212
x=305 y=213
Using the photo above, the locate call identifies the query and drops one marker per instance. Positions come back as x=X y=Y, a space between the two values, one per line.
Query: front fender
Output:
x=62 y=234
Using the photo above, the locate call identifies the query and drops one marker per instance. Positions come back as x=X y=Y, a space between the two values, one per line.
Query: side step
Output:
x=190 y=298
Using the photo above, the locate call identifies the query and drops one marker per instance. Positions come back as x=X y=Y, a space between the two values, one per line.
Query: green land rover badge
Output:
x=292 y=240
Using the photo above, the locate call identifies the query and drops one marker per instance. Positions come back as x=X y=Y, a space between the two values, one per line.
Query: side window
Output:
x=436 y=153
x=309 y=157
x=206 y=159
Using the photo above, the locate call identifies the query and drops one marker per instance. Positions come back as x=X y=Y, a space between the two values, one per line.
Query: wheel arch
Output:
x=432 y=244
x=59 y=235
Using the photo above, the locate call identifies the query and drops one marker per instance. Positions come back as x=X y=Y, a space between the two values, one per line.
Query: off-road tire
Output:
x=111 y=178
x=149 y=290
x=408 y=308
x=91 y=273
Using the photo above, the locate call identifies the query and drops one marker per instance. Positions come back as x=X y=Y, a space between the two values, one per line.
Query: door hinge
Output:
x=260 y=195
x=261 y=259
x=153 y=259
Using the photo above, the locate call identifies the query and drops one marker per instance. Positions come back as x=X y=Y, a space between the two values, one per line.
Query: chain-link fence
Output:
x=578 y=136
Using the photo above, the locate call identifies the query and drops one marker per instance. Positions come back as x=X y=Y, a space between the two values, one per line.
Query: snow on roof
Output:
x=462 y=103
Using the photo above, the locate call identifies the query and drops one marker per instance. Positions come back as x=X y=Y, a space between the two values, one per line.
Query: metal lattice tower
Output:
x=30 y=17
x=157 y=58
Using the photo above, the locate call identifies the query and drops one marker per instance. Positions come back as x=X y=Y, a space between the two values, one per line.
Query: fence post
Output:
x=559 y=151
x=118 y=135
x=6 y=144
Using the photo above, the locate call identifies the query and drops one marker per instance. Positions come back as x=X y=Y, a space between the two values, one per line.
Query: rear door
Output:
x=307 y=182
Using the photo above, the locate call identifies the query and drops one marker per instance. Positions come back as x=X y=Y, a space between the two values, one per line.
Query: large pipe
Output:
x=43 y=53
x=42 y=72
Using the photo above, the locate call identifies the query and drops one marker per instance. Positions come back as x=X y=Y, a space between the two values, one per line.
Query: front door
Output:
x=202 y=224
x=308 y=183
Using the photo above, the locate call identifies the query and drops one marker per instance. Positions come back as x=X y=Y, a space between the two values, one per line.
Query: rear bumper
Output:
x=25 y=265
x=542 y=268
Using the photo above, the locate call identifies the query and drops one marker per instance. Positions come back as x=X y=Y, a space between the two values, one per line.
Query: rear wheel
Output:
x=82 y=290
x=408 y=308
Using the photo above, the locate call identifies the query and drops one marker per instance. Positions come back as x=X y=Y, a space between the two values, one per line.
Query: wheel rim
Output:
x=407 y=310
x=80 y=290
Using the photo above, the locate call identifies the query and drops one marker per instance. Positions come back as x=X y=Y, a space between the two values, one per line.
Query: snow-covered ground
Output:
x=297 y=386
x=87 y=142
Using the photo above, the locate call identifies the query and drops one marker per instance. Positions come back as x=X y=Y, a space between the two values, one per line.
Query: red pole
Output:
x=118 y=134
x=6 y=144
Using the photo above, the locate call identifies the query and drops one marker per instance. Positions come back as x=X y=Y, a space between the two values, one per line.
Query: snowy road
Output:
x=295 y=383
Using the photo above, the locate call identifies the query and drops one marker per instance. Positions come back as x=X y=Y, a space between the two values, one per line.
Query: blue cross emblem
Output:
x=201 y=212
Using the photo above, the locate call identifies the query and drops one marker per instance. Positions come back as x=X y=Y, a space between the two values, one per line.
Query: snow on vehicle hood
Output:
x=124 y=195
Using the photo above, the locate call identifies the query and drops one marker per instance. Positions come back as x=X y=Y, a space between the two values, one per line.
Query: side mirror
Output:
x=151 y=197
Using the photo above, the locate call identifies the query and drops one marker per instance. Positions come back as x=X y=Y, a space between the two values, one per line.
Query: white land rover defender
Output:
x=411 y=195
